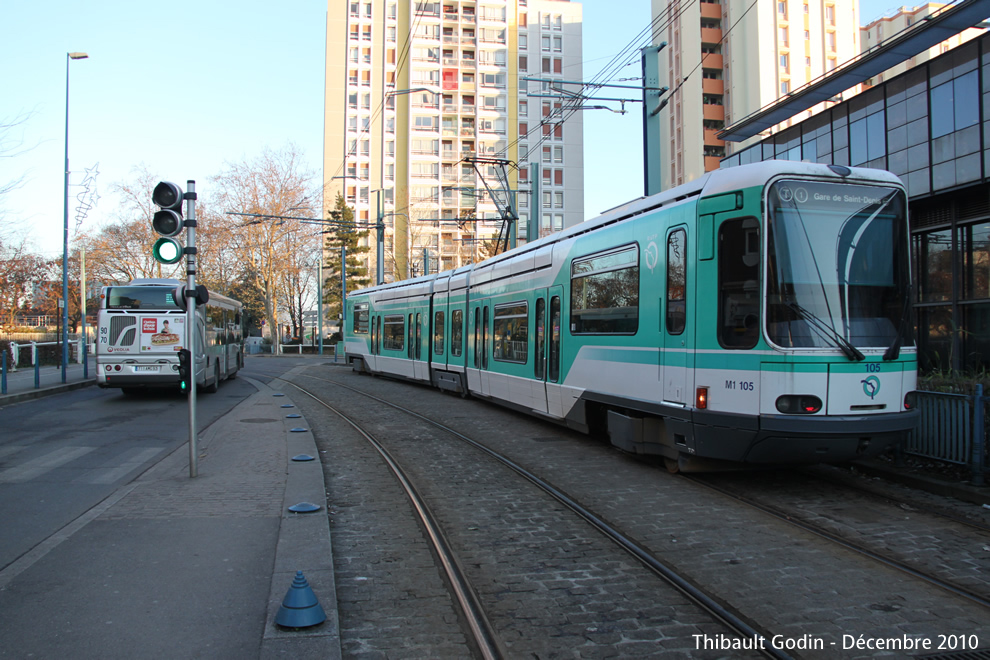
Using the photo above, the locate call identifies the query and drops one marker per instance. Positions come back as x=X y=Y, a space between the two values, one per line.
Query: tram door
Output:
x=480 y=345
x=486 y=346
x=546 y=362
x=376 y=338
x=676 y=334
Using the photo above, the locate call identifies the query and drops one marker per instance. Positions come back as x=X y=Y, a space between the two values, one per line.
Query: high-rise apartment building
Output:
x=726 y=60
x=425 y=100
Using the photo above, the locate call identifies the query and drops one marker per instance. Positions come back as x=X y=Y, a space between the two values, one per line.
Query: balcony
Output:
x=711 y=36
x=711 y=10
x=712 y=163
x=712 y=86
x=711 y=138
x=712 y=61
x=714 y=112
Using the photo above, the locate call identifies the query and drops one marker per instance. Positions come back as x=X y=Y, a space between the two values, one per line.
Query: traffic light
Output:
x=167 y=221
x=179 y=296
x=185 y=370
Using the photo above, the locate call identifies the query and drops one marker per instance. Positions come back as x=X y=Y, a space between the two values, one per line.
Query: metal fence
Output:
x=952 y=429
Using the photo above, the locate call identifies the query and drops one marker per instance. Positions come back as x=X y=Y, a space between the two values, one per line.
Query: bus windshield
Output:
x=837 y=266
x=141 y=297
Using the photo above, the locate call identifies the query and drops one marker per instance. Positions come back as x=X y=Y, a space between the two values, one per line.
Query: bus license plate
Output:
x=146 y=369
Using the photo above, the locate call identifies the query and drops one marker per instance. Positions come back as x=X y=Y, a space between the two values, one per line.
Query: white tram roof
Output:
x=711 y=183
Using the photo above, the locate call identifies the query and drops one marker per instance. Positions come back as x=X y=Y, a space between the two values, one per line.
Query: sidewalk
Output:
x=173 y=566
x=20 y=383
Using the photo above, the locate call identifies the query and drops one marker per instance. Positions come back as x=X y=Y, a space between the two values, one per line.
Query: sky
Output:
x=185 y=87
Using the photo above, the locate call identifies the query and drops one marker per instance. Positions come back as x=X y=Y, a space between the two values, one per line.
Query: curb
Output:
x=7 y=399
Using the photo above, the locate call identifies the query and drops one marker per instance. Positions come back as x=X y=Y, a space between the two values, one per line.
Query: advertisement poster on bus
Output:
x=162 y=333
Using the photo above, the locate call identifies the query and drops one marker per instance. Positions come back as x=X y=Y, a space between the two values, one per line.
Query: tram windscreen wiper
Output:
x=827 y=332
x=894 y=350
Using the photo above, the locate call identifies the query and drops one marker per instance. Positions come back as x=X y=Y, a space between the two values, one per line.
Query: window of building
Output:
x=955 y=104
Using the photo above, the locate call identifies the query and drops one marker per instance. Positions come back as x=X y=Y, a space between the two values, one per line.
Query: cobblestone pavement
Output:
x=944 y=548
x=551 y=584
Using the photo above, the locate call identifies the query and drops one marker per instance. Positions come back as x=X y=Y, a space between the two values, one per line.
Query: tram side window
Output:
x=738 y=283
x=539 y=368
x=484 y=338
x=510 y=341
x=419 y=336
x=605 y=292
x=412 y=338
x=477 y=336
x=361 y=314
x=393 y=333
x=676 y=282
x=554 y=358
x=438 y=333
x=456 y=332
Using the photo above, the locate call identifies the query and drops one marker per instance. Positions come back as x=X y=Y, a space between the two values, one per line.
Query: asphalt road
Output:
x=63 y=454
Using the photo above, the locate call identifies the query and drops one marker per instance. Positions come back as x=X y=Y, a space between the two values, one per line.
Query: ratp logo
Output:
x=871 y=386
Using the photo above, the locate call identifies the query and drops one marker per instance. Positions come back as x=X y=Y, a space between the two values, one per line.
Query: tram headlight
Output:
x=799 y=404
x=910 y=400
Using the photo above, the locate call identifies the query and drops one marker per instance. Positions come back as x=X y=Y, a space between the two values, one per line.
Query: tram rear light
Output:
x=799 y=404
x=910 y=401
x=701 y=398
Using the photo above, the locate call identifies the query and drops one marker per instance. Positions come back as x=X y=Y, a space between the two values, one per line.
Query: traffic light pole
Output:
x=190 y=293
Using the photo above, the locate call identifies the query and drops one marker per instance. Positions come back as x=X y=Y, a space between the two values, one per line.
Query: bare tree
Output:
x=274 y=186
x=122 y=250
x=19 y=269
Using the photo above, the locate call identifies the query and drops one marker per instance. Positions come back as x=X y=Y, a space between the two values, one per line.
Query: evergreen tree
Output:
x=343 y=232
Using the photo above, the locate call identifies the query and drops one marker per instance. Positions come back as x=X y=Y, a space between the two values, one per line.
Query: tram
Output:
x=757 y=315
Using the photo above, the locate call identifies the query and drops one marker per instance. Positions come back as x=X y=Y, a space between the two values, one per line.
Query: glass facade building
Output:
x=929 y=126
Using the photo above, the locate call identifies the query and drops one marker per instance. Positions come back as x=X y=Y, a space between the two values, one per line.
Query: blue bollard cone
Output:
x=300 y=609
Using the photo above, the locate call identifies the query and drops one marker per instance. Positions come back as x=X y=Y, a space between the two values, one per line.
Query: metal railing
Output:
x=951 y=429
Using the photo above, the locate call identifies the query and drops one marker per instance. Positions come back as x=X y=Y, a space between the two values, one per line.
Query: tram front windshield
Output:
x=837 y=265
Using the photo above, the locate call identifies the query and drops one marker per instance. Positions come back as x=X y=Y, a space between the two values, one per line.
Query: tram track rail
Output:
x=485 y=638
x=850 y=545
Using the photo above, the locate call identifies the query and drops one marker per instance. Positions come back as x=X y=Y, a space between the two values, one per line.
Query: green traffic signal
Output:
x=167 y=250
x=167 y=222
x=185 y=369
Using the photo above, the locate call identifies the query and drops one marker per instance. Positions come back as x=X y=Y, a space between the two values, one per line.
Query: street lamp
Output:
x=65 y=224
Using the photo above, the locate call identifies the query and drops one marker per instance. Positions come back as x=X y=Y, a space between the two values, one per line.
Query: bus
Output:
x=141 y=329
